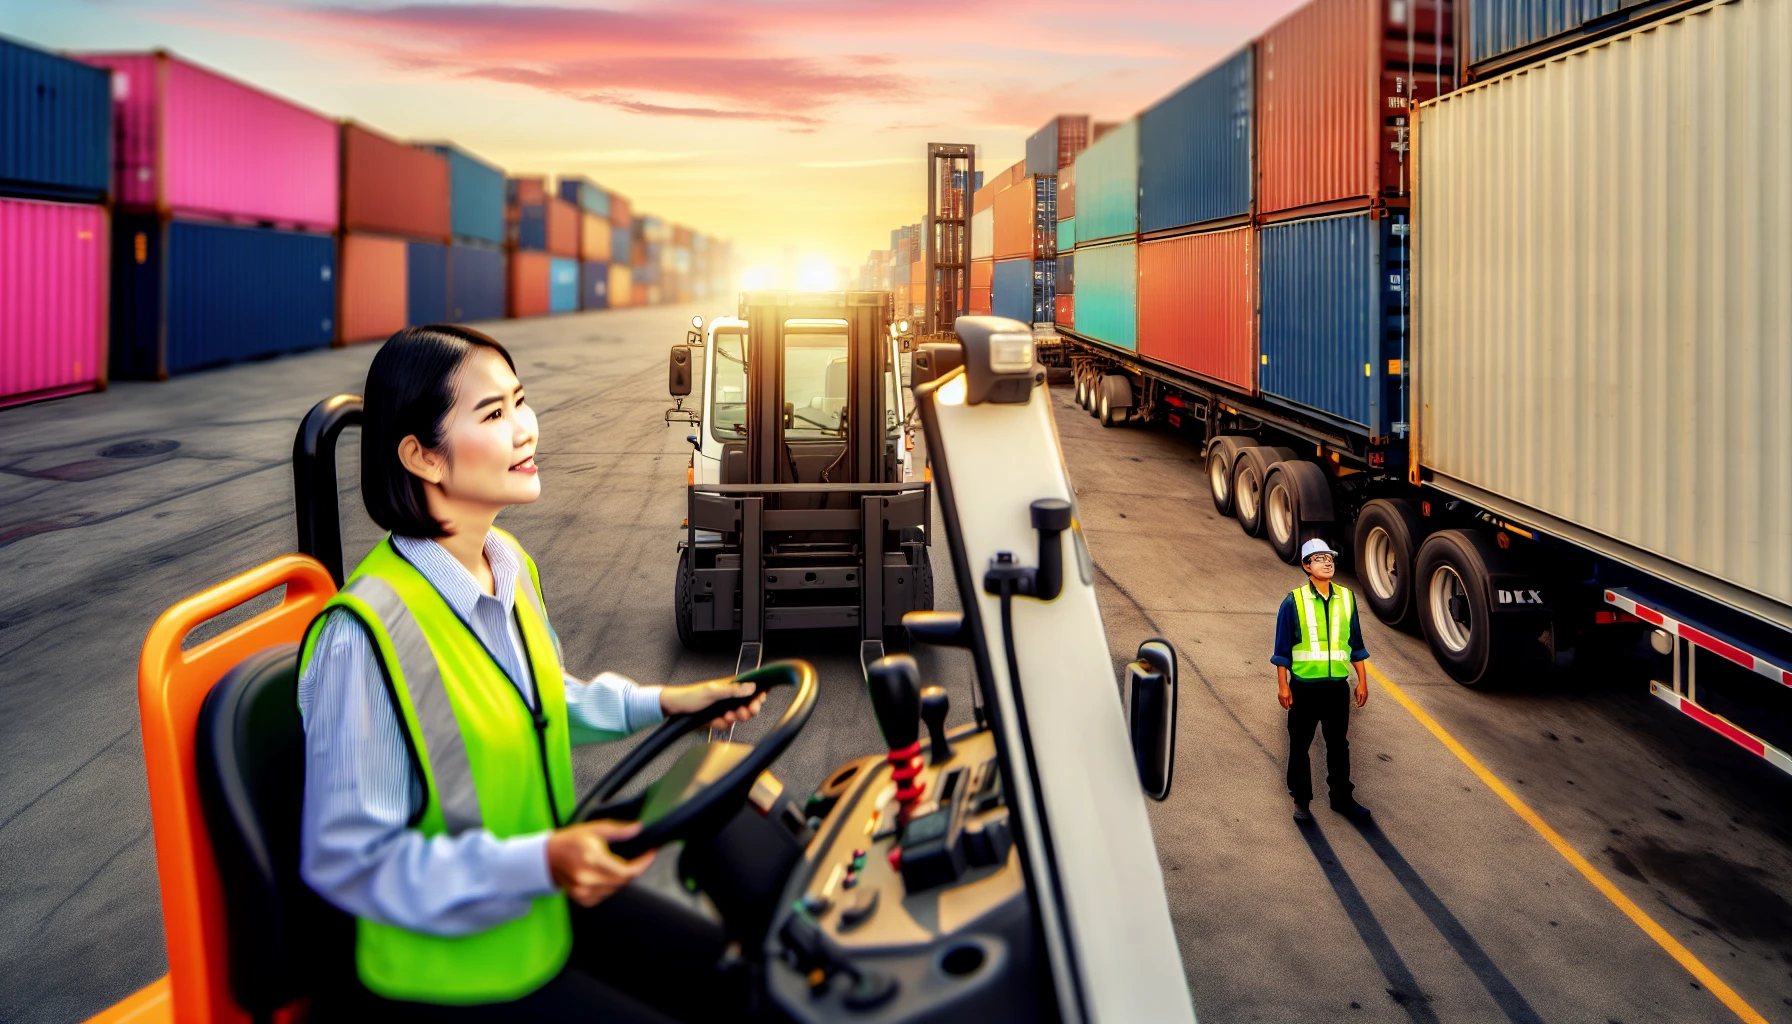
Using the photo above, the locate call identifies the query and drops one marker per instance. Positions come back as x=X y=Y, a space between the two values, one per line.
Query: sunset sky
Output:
x=797 y=128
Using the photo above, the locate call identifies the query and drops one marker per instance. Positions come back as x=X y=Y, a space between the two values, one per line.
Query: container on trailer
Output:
x=1107 y=288
x=1057 y=144
x=584 y=193
x=1195 y=149
x=1198 y=304
x=594 y=238
x=622 y=285
x=475 y=195
x=426 y=283
x=563 y=285
x=392 y=188
x=1065 y=283
x=53 y=275
x=1604 y=316
x=1505 y=33
x=594 y=284
x=562 y=228
x=1066 y=235
x=529 y=276
x=1107 y=184
x=188 y=294
x=1333 y=321
x=373 y=289
x=476 y=282
x=57 y=115
x=189 y=141
x=1067 y=192
x=1336 y=82
x=1064 y=311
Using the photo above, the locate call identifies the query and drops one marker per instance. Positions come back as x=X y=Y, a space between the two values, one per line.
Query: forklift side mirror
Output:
x=697 y=322
x=678 y=383
x=789 y=415
x=1151 y=715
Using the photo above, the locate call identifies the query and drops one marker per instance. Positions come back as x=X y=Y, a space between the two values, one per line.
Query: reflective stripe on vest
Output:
x=1323 y=653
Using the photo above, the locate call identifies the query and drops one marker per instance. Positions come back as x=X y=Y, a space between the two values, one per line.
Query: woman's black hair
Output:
x=410 y=389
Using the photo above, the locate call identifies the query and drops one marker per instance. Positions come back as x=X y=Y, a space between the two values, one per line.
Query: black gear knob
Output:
x=895 y=684
x=934 y=705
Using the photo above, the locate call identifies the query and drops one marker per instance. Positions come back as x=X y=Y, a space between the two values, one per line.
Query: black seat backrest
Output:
x=285 y=941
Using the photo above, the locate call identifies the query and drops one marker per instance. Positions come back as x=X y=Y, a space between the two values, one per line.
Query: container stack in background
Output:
x=622 y=248
x=55 y=180
x=476 y=264
x=393 y=255
x=225 y=206
x=595 y=239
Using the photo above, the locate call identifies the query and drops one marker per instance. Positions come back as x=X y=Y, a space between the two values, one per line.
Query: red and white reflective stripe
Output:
x=1698 y=637
x=1725 y=728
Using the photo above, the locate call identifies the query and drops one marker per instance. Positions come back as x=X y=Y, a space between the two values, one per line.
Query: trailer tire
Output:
x=1220 y=453
x=1082 y=390
x=1250 y=471
x=1109 y=416
x=1297 y=506
x=695 y=640
x=1388 y=534
x=1453 y=589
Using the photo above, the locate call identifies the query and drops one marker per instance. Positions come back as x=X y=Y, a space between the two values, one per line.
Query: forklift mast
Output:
x=951 y=179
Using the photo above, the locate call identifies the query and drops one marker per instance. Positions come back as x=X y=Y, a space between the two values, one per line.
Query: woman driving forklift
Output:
x=439 y=720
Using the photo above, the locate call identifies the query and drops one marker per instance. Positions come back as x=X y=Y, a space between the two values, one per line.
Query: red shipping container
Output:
x=525 y=191
x=530 y=273
x=1067 y=192
x=983 y=273
x=1064 y=310
x=1198 y=302
x=639 y=298
x=370 y=288
x=53 y=272
x=1336 y=83
x=619 y=212
x=563 y=228
x=1073 y=138
x=393 y=188
x=982 y=301
x=594 y=238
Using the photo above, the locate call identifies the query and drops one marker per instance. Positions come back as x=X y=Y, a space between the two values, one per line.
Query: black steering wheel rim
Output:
x=731 y=788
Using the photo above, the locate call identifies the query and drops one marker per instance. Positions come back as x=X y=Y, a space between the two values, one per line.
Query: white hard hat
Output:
x=1316 y=547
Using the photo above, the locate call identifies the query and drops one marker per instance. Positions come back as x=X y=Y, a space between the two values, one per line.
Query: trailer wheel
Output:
x=1220 y=453
x=1109 y=416
x=1453 y=589
x=1079 y=389
x=1388 y=531
x=694 y=640
x=1250 y=471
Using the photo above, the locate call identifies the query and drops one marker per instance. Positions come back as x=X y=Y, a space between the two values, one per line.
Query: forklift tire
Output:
x=694 y=640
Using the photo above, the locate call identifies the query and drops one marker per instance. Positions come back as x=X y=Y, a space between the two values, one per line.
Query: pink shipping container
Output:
x=191 y=142
x=1337 y=82
x=393 y=188
x=53 y=265
x=1198 y=304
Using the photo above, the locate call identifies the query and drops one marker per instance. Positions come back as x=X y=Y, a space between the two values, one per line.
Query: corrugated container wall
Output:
x=371 y=295
x=189 y=141
x=528 y=291
x=983 y=234
x=55 y=126
x=1066 y=235
x=594 y=285
x=1025 y=215
x=1067 y=192
x=622 y=283
x=52 y=299
x=1332 y=300
x=393 y=188
x=982 y=286
x=581 y=192
x=425 y=283
x=1107 y=185
x=1011 y=291
x=476 y=280
x=562 y=228
x=1603 y=296
x=1501 y=26
x=1195 y=150
x=1335 y=83
x=475 y=196
x=1198 y=304
x=563 y=285
x=1107 y=289
x=594 y=238
x=527 y=226
x=188 y=295
x=1057 y=144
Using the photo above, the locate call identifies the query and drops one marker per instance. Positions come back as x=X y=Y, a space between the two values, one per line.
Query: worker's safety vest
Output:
x=487 y=762
x=1324 y=648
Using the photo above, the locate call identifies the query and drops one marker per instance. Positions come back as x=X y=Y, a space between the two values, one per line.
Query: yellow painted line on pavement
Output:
x=1642 y=920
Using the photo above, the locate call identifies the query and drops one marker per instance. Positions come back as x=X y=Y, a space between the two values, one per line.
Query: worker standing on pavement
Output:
x=1318 y=642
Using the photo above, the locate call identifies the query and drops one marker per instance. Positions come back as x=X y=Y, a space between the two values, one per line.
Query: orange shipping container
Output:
x=529 y=279
x=370 y=288
x=982 y=301
x=639 y=296
x=622 y=285
x=391 y=187
x=1064 y=310
x=594 y=238
x=525 y=191
x=563 y=228
x=1015 y=220
x=1197 y=304
x=983 y=273
x=985 y=197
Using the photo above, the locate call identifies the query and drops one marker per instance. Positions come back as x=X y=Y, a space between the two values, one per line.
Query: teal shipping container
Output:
x=584 y=193
x=1107 y=186
x=475 y=195
x=1107 y=291
x=563 y=285
x=1066 y=234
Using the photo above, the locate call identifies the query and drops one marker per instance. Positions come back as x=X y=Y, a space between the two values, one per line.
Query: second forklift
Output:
x=803 y=517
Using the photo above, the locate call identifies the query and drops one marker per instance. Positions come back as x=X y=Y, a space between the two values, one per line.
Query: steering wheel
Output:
x=707 y=785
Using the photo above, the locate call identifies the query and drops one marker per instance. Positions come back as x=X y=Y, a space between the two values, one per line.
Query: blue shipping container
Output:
x=55 y=126
x=1195 y=150
x=532 y=228
x=476 y=281
x=563 y=285
x=648 y=274
x=1011 y=290
x=620 y=243
x=426 y=283
x=1334 y=319
x=475 y=195
x=585 y=195
x=594 y=285
x=210 y=294
x=1501 y=26
x=1042 y=152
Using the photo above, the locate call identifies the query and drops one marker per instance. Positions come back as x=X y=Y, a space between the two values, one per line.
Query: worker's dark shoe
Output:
x=1352 y=810
x=1301 y=813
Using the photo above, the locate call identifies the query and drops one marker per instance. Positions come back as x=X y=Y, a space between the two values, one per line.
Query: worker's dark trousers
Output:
x=1322 y=703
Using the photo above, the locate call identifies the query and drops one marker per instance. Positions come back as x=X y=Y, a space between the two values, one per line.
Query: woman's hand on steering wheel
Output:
x=583 y=865
x=687 y=700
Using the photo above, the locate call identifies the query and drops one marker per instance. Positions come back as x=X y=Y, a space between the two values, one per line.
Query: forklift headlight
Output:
x=903 y=326
x=998 y=359
x=1010 y=353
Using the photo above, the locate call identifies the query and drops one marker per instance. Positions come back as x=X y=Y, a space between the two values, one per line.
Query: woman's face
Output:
x=487 y=458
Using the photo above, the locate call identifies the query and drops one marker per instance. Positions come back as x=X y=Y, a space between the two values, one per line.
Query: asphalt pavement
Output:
x=1450 y=907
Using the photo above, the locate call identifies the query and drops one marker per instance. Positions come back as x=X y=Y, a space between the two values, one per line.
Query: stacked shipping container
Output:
x=395 y=223
x=476 y=275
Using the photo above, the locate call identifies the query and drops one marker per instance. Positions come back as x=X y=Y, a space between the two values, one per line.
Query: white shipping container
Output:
x=983 y=234
x=1604 y=298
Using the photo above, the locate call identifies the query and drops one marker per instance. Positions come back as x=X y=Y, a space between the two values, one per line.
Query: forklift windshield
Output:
x=816 y=382
x=728 y=404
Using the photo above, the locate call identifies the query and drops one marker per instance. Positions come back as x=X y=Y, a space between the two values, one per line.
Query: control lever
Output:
x=809 y=950
x=934 y=705
x=895 y=684
x=1051 y=517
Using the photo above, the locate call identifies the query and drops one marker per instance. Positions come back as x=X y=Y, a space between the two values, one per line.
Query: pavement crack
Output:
x=76 y=770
